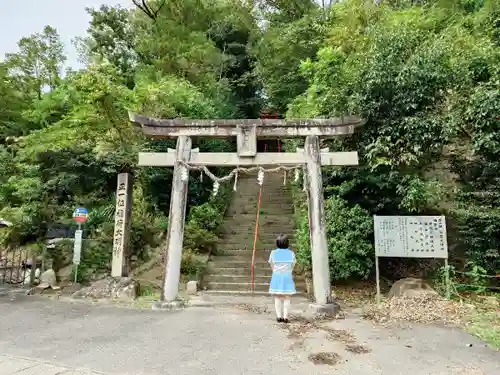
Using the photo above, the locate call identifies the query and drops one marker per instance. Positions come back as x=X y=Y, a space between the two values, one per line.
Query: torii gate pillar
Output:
x=317 y=224
x=176 y=221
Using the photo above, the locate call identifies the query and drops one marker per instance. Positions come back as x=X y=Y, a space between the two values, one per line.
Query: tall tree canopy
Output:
x=425 y=76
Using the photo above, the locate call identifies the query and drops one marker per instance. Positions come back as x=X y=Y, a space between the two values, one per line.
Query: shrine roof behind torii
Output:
x=263 y=128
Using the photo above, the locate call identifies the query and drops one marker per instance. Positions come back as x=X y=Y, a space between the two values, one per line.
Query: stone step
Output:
x=246 y=286
x=245 y=259
x=275 y=200
x=239 y=238
x=221 y=278
x=260 y=252
x=275 y=204
x=251 y=216
x=245 y=270
x=249 y=238
x=271 y=188
x=233 y=262
x=245 y=252
x=246 y=293
x=264 y=232
x=238 y=225
x=242 y=255
x=267 y=202
x=263 y=235
x=247 y=244
x=265 y=229
x=271 y=207
x=262 y=246
x=237 y=213
x=259 y=259
x=250 y=193
x=274 y=210
x=254 y=196
x=229 y=272
x=239 y=271
x=236 y=293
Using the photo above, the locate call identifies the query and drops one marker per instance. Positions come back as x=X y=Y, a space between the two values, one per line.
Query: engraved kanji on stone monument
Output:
x=119 y=265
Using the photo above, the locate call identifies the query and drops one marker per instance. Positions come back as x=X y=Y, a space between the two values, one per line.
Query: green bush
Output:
x=95 y=259
x=479 y=236
x=302 y=245
x=199 y=238
x=192 y=264
x=203 y=222
x=349 y=230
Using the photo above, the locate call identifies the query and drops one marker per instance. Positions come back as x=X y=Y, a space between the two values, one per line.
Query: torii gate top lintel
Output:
x=259 y=128
x=246 y=131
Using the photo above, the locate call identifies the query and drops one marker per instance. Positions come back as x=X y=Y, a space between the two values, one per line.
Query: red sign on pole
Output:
x=80 y=215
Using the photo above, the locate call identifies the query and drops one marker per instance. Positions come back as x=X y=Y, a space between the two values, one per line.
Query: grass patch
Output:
x=145 y=302
x=485 y=324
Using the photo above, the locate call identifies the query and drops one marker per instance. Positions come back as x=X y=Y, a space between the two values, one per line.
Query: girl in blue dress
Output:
x=282 y=261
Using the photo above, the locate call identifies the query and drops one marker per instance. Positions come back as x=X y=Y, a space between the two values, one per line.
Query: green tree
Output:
x=13 y=104
x=37 y=65
x=425 y=79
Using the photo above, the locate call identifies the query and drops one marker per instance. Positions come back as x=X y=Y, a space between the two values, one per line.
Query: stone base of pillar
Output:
x=164 y=305
x=330 y=309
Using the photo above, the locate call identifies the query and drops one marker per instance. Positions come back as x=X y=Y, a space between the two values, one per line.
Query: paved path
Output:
x=25 y=366
x=220 y=341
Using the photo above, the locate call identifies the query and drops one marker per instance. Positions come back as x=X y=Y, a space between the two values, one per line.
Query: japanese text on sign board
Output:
x=410 y=236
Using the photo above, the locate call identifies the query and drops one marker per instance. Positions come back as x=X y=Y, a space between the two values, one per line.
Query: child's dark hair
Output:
x=282 y=242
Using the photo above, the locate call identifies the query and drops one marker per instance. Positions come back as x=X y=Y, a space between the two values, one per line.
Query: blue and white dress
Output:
x=282 y=262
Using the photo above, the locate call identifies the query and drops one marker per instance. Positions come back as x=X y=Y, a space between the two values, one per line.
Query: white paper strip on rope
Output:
x=410 y=236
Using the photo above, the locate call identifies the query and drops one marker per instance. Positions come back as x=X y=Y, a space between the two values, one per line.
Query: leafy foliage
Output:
x=349 y=236
x=425 y=78
x=65 y=139
x=424 y=75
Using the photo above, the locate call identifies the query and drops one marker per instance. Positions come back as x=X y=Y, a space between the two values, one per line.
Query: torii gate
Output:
x=247 y=132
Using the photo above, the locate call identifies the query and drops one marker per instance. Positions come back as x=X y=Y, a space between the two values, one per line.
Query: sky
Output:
x=24 y=17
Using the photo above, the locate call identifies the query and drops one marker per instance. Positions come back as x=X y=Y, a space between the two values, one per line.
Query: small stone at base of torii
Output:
x=192 y=287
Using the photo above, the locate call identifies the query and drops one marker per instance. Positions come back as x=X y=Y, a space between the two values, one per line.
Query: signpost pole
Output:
x=377 y=275
x=80 y=215
x=447 y=278
x=76 y=264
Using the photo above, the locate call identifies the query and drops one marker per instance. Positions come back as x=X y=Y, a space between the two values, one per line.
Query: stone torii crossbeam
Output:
x=247 y=132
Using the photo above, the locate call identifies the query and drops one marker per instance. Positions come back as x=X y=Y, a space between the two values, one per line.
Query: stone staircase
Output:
x=229 y=272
